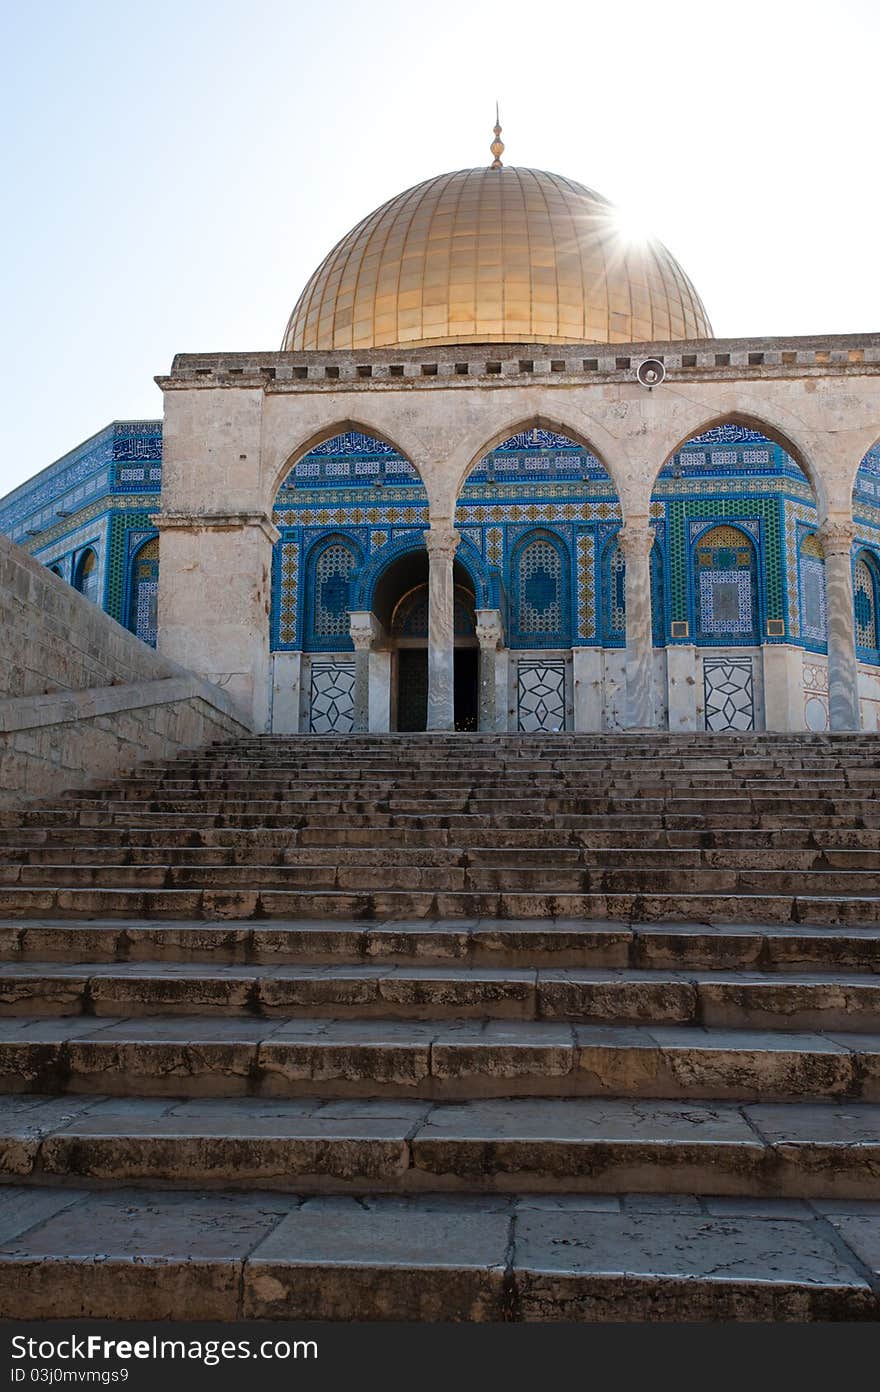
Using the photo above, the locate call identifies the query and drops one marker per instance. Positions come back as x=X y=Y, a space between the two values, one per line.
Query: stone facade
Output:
x=236 y=426
x=725 y=578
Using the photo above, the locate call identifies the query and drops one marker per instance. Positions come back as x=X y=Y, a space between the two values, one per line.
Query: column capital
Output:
x=636 y=538
x=442 y=540
x=364 y=629
x=490 y=630
x=837 y=535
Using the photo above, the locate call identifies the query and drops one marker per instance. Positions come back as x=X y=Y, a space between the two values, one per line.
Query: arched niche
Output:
x=541 y=488
x=732 y=475
x=359 y=490
x=143 y=590
x=86 y=574
x=866 y=585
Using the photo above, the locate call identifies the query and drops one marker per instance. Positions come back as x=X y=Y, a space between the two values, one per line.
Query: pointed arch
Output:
x=338 y=428
x=143 y=590
x=866 y=604
x=540 y=590
x=612 y=593
x=86 y=575
x=331 y=564
x=725 y=595
x=755 y=421
x=538 y=422
x=812 y=615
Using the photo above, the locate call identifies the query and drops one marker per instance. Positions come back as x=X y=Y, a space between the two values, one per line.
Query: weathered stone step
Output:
x=448 y=804
x=820 y=1000
x=558 y=876
x=444 y=1059
x=488 y=942
x=149 y=1254
x=44 y=842
x=552 y=785
x=562 y=1145
x=25 y=902
x=34 y=864
x=193 y=823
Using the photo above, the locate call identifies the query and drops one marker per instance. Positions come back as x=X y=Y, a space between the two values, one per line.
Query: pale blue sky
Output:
x=174 y=170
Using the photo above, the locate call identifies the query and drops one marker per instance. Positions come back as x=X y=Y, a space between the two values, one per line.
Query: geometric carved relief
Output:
x=815 y=696
x=331 y=698
x=729 y=694
x=540 y=696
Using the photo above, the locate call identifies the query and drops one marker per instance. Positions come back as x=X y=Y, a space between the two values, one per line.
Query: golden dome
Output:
x=496 y=255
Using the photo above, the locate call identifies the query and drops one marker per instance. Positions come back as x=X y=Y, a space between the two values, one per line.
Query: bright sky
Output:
x=175 y=169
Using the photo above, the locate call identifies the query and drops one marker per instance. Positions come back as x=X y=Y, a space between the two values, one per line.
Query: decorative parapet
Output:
x=461 y=365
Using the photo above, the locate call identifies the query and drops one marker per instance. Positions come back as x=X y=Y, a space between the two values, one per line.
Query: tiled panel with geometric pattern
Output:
x=331 y=698
x=729 y=693
x=540 y=696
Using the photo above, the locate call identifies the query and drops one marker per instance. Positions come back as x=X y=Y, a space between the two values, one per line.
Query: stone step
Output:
x=820 y=1000
x=444 y=804
x=552 y=785
x=556 y=1146
x=77 y=844
x=483 y=943
x=149 y=1254
x=193 y=823
x=38 y=843
x=24 y=902
x=443 y=1059
x=558 y=876
x=522 y=856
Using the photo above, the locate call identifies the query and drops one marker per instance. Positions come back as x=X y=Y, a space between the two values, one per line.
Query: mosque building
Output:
x=453 y=500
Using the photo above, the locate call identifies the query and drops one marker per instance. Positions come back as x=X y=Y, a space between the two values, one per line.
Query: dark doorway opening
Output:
x=412 y=688
x=466 y=697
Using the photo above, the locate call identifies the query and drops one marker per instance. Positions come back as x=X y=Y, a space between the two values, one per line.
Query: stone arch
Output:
x=592 y=441
x=320 y=437
x=756 y=420
x=485 y=579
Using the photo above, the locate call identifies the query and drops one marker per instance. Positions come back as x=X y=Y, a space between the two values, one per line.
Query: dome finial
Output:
x=497 y=146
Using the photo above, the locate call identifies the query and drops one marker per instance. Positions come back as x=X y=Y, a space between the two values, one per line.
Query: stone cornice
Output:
x=216 y=521
x=495 y=365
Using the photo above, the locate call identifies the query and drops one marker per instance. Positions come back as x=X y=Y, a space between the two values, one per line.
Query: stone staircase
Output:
x=447 y=1027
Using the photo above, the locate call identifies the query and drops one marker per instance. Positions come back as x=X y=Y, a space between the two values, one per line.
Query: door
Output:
x=466 y=697
x=412 y=688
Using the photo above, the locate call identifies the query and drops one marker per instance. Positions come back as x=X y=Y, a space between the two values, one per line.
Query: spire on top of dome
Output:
x=497 y=146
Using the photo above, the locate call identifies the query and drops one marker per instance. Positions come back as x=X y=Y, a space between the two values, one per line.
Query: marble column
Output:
x=441 y=543
x=836 y=535
x=636 y=539
x=364 y=628
x=490 y=636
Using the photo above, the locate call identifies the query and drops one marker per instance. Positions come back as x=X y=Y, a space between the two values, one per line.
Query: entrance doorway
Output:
x=400 y=603
x=467 y=682
x=412 y=688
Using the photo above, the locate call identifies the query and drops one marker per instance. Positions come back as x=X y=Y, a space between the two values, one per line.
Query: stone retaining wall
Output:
x=82 y=699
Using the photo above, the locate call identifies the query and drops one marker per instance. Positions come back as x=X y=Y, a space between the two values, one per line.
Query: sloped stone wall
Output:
x=82 y=699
